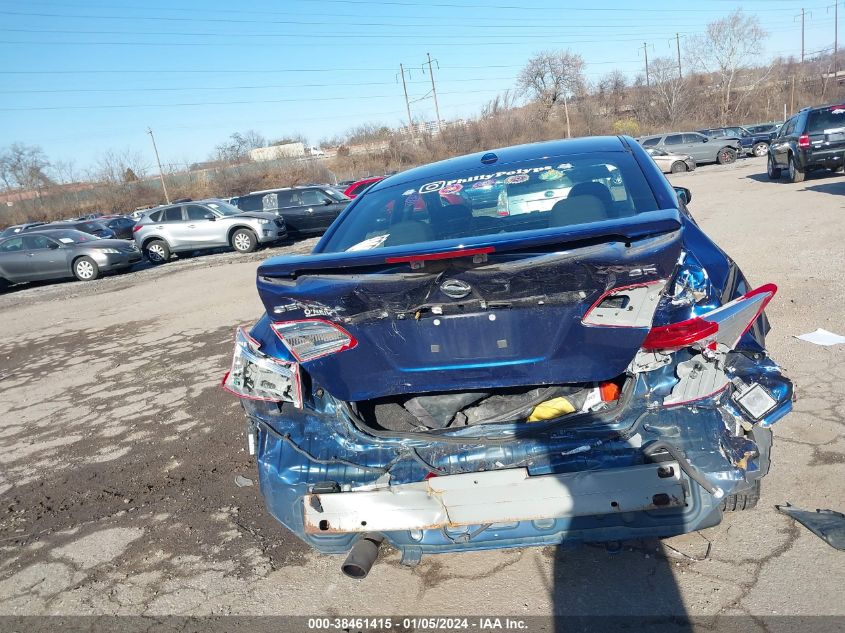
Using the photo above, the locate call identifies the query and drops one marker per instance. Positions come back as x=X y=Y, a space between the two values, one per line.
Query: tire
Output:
x=795 y=175
x=772 y=171
x=85 y=269
x=726 y=156
x=157 y=251
x=678 y=167
x=244 y=241
x=760 y=149
x=742 y=501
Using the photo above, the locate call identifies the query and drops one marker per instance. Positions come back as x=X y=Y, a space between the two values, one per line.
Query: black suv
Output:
x=305 y=209
x=812 y=139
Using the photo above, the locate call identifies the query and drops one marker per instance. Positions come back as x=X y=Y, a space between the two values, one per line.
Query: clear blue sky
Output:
x=80 y=78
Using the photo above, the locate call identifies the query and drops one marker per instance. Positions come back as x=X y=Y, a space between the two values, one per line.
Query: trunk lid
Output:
x=508 y=315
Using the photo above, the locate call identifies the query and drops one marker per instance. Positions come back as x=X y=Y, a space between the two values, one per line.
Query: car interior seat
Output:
x=409 y=232
x=452 y=220
x=586 y=202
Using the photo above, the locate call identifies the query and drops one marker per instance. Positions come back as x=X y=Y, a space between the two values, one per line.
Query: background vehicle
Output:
x=59 y=254
x=305 y=210
x=358 y=186
x=204 y=224
x=520 y=370
x=92 y=227
x=765 y=128
x=671 y=163
x=753 y=144
x=812 y=139
x=18 y=228
x=700 y=147
x=121 y=225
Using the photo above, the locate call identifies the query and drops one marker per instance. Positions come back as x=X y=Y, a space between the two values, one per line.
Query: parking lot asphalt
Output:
x=119 y=454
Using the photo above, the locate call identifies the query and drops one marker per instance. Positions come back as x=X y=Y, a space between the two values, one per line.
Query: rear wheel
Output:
x=743 y=501
x=772 y=170
x=795 y=175
x=678 y=167
x=726 y=155
x=760 y=149
x=244 y=241
x=157 y=251
x=85 y=269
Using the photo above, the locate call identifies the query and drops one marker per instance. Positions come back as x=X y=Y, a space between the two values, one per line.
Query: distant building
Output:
x=274 y=152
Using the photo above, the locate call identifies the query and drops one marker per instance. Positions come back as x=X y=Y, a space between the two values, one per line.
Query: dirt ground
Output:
x=119 y=454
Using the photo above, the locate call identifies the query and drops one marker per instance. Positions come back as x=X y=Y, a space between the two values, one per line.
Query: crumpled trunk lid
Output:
x=511 y=317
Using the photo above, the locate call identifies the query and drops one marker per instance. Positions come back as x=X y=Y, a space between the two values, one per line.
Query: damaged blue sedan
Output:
x=530 y=346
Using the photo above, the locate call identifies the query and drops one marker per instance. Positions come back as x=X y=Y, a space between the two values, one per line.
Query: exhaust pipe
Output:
x=362 y=556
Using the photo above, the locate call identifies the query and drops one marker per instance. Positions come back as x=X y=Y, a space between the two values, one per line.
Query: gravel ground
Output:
x=119 y=453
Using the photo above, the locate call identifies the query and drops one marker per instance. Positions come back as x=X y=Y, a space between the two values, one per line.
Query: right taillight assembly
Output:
x=804 y=141
x=310 y=339
x=676 y=336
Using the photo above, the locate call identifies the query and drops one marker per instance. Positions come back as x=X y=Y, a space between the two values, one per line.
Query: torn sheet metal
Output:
x=828 y=525
x=496 y=497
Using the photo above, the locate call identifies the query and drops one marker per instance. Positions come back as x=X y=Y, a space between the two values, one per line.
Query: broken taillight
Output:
x=256 y=376
x=313 y=338
x=804 y=140
x=676 y=336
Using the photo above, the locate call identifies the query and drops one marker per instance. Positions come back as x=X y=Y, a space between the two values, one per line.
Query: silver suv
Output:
x=202 y=224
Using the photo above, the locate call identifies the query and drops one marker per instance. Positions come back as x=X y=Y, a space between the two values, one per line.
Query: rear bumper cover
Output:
x=327 y=480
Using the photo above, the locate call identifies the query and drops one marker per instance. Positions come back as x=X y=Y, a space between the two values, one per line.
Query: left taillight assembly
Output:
x=256 y=376
x=310 y=339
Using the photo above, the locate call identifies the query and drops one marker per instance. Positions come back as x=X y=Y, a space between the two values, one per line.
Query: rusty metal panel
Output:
x=495 y=497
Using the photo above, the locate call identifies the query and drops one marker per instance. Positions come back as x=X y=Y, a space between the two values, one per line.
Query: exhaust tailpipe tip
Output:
x=362 y=556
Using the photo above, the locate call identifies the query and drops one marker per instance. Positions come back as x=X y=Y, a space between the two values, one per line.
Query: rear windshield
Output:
x=827 y=120
x=545 y=193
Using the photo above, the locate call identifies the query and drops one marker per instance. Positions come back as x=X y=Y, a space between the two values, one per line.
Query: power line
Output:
x=265 y=71
x=249 y=87
x=215 y=103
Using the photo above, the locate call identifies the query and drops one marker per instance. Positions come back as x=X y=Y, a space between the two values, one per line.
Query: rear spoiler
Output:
x=636 y=227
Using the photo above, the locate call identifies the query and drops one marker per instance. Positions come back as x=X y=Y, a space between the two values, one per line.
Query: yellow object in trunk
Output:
x=551 y=409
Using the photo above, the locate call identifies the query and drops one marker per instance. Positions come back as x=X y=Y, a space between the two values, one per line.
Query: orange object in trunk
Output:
x=609 y=391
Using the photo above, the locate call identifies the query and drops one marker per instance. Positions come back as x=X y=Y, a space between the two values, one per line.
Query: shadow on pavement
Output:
x=632 y=588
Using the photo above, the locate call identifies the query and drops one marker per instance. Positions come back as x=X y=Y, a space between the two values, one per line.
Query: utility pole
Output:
x=645 y=52
x=835 y=38
x=678 y=44
x=434 y=92
x=407 y=103
x=802 y=36
x=158 y=160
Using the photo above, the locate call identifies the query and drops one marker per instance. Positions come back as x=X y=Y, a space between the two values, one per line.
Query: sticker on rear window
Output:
x=515 y=180
x=450 y=189
x=65 y=240
x=552 y=174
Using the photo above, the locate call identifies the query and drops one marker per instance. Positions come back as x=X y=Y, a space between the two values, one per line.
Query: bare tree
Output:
x=729 y=47
x=612 y=92
x=25 y=167
x=551 y=77
x=113 y=165
x=669 y=91
x=236 y=148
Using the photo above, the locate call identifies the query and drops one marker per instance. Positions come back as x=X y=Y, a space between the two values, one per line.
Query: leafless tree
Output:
x=670 y=92
x=726 y=51
x=25 y=167
x=551 y=77
x=113 y=165
x=612 y=92
x=236 y=148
